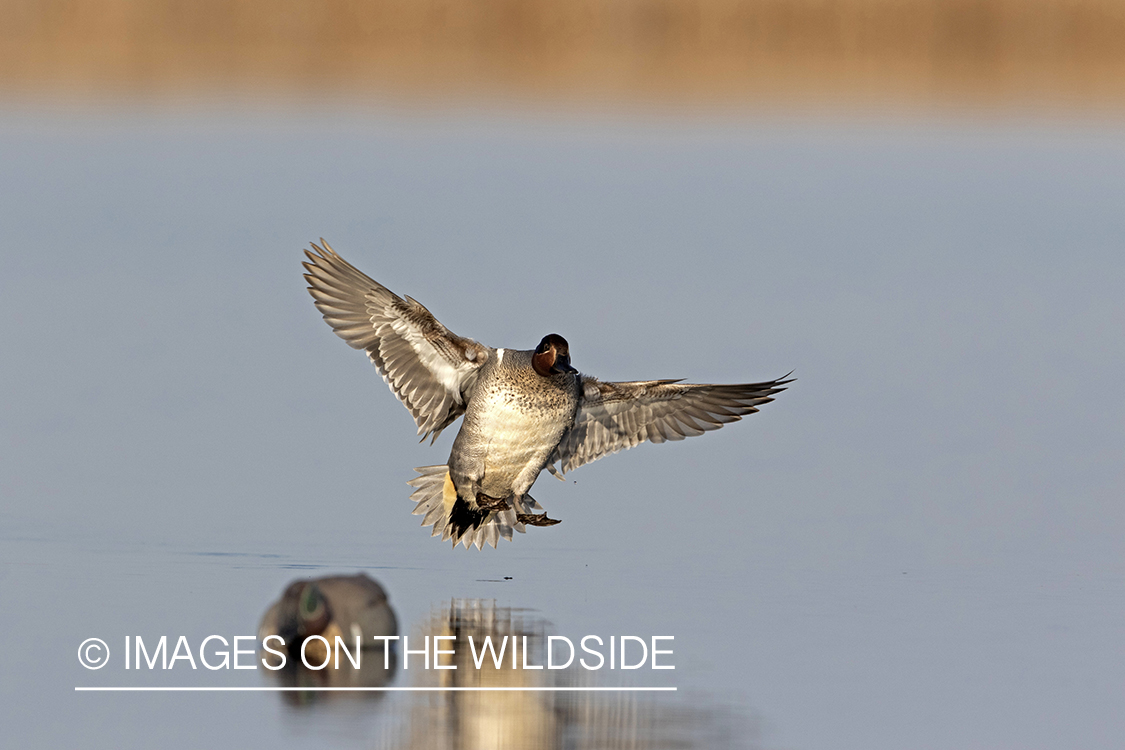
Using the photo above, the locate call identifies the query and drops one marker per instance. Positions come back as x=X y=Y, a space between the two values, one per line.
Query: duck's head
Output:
x=304 y=611
x=313 y=612
x=552 y=356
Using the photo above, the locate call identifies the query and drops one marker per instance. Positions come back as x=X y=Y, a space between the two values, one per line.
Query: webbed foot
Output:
x=484 y=502
x=536 y=519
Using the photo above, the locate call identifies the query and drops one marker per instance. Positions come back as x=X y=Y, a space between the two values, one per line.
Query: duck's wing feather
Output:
x=431 y=369
x=615 y=416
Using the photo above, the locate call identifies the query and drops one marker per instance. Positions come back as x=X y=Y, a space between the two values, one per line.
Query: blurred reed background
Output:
x=1009 y=53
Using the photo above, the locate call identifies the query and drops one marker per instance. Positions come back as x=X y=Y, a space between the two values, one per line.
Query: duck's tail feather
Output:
x=453 y=518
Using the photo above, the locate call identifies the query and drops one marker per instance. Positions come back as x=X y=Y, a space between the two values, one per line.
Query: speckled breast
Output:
x=518 y=418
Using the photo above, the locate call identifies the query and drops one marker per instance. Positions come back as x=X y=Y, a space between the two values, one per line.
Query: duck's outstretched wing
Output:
x=430 y=369
x=615 y=416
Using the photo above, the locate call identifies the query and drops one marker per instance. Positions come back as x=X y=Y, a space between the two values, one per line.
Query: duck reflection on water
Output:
x=538 y=720
x=348 y=607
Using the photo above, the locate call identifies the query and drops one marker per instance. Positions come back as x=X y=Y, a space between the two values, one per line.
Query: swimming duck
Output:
x=524 y=410
x=350 y=608
x=347 y=606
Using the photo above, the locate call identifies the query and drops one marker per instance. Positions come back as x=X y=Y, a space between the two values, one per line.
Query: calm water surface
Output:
x=918 y=545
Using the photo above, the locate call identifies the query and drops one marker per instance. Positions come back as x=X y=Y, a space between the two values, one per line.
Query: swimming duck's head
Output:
x=313 y=612
x=552 y=356
x=302 y=611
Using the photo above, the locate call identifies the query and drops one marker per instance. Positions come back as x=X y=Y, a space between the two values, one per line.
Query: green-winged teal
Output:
x=525 y=410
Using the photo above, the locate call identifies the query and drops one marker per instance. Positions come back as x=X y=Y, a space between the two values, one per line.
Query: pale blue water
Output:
x=918 y=545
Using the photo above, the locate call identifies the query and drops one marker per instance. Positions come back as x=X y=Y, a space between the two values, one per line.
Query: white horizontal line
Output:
x=121 y=689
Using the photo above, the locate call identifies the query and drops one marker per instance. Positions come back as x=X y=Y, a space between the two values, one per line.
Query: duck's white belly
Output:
x=513 y=422
x=514 y=438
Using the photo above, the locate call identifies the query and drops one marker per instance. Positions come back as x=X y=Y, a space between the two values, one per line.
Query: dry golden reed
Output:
x=990 y=52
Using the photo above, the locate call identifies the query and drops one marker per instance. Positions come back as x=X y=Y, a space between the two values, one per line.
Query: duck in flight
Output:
x=524 y=410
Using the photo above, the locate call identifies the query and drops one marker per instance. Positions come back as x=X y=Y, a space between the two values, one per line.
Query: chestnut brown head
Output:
x=552 y=356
